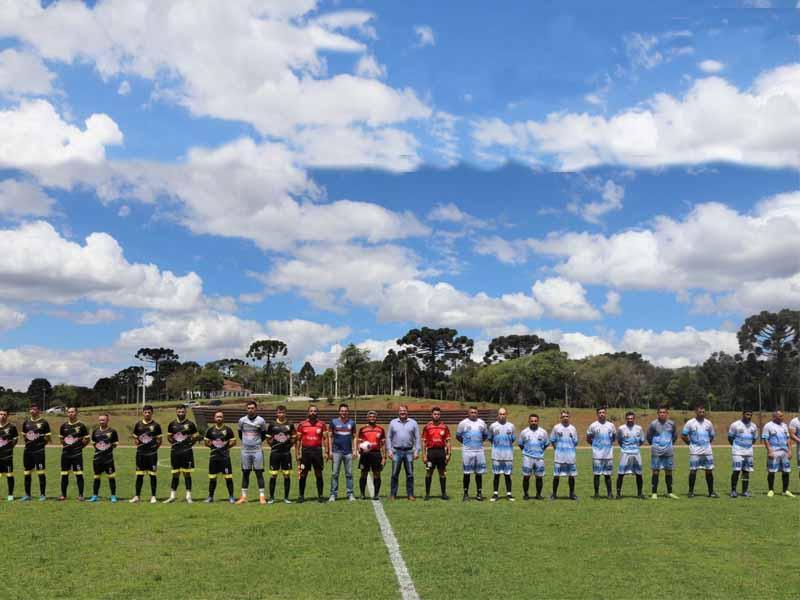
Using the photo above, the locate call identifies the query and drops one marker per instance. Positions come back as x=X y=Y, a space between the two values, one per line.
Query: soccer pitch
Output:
x=698 y=548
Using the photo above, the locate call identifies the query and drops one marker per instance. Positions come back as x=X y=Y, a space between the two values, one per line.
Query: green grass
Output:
x=699 y=548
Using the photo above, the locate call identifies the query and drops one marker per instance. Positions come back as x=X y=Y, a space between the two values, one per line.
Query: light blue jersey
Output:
x=533 y=442
x=502 y=436
x=630 y=438
x=564 y=439
x=742 y=436
x=700 y=435
x=777 y=434
x=602 y=436
x=472 y=434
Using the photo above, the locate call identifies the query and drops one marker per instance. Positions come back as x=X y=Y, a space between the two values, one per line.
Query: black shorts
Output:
x=370 y=461
x=436 y=459
x=146 y=463
x=7 y=466
x=280 y=461
x=311 y=458
x=182 y=461
x=104 y=466
x=72 y=463
x=220 y=466
x=33 y=461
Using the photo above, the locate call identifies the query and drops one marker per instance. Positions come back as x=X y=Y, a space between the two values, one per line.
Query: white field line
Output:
x=404 y=581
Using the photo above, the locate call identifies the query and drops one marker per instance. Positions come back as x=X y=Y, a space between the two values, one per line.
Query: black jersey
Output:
x=147 y=433
x=72 y=437
x=104 y=440
x=280 y=436
x=183 y=433
x=35 y=432
x=219 y=438
x=8 y=435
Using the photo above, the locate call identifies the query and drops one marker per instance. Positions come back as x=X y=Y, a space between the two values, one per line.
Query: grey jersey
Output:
x=252 y=433
x=662 y=437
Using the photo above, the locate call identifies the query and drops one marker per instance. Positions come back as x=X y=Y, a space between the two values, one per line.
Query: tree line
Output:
x=437 y=363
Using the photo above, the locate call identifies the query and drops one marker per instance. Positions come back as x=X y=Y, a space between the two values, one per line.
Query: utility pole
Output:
x=566 y=394
x=336 y=382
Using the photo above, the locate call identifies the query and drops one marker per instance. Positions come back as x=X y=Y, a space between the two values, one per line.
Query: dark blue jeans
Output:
x=403 y=458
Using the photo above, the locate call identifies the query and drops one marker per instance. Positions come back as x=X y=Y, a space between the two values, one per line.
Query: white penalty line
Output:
x=404 y=581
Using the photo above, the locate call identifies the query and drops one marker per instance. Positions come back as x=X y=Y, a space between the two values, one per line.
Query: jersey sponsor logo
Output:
x=280 y=437
x=252 y=435
x=218 y=443
x=145 y=438
x=31 y=435
x=102 y=445
x=69 y=440
x=3 y=442
x=179 y=437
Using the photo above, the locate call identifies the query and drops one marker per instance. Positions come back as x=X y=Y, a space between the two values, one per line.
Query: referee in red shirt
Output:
x=436 y=452
x=311 y=435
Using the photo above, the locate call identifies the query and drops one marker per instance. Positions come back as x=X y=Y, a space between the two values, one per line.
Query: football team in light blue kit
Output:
x=662 y=433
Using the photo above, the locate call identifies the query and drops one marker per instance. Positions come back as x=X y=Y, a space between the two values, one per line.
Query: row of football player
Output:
x=311 y=436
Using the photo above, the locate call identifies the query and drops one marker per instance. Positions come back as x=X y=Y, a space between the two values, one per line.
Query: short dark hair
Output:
x=564 y=411
x=664 y=407
x=599 y=408
x=630 y=413
x=699 y=405
x=344 y=405
x=533 y=415
x=147 y=407
x=280 y=407
x=473 y=408
x=34 y=405
x=219 y=412
x=435 y=408
x=251 y=403
x=73 y=406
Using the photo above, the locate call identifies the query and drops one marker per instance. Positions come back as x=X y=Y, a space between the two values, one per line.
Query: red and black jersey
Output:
x=435 y=435
x=311 y=434
x=375 y=435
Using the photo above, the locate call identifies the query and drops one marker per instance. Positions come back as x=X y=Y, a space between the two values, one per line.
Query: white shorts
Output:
x=742 y=463
x=502 y=467
x=702 y=462
x=602 y=466
x=565 y=470
x=630 y=463
x=253 y=461
x=533 y=466
x=779 y=462
x=473 y=462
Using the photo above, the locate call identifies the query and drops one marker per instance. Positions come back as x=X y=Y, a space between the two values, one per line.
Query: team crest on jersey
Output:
x=319 y=431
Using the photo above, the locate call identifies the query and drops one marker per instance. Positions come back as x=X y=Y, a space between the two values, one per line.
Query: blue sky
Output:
x=199 y=176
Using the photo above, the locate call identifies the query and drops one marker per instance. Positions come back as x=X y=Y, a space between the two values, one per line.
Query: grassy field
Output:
x=699 y=548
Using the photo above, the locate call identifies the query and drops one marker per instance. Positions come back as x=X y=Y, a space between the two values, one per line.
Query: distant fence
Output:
x=204 y=415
